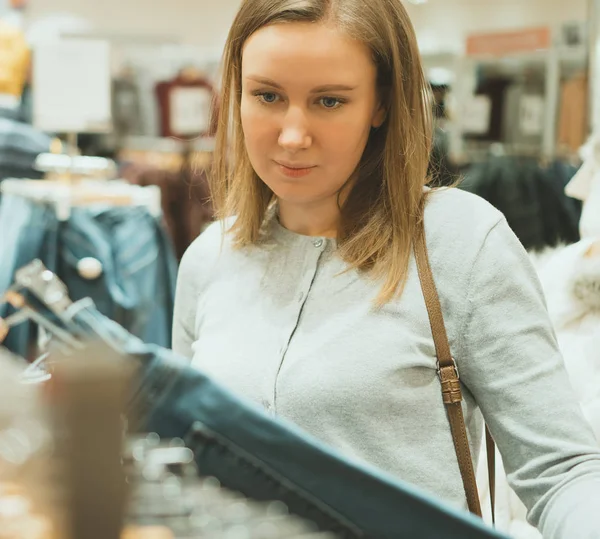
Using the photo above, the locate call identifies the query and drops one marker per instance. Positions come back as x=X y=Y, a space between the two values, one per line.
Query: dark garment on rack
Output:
x=136 y=282
x=442 y=172
x=266 y=458
x=185 y=199
x=20 y=144
x=139 y=269
x=126 y=109
x=513 y=132
x=530 y=196
x=495 y=90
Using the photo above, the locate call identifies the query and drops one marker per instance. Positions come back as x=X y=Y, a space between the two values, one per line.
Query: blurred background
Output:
x=514 y=83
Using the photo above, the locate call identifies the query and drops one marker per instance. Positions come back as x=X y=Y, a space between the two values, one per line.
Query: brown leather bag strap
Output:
x=490 y=447
x=449 y=377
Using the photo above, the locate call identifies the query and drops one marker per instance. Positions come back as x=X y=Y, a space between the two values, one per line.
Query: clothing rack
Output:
x=475 y=152
x=81 y=181
x=76 y=166
x=168 y=153
x=64 y=195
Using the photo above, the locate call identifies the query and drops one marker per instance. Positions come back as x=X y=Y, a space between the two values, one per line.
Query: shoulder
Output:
x=205 y=251
x=210 y=243
x=454 y=210
x=459 y=223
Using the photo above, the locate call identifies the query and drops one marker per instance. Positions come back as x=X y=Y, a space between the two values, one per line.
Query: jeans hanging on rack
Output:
x=138 y=269
x=20 y=144
x=132 y=262
x=29 y=231
x=266 y=458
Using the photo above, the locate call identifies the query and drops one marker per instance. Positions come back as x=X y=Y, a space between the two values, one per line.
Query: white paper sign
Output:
x=531 y=115
x=190 y=110
x=72 y=81
x=477 y=112
x=476 y=116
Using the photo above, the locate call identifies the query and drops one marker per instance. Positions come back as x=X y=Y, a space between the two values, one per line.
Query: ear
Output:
x=379 y=116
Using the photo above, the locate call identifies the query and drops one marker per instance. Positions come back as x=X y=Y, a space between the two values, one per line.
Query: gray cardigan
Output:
x=282 y=325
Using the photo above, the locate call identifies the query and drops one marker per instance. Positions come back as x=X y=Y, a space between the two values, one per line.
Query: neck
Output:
x=315 y=220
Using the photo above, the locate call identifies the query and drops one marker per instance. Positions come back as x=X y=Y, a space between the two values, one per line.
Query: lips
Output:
x=295 y=170
x=294 y=166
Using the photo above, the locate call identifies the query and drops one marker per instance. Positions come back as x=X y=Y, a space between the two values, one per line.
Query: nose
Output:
x=295 y=133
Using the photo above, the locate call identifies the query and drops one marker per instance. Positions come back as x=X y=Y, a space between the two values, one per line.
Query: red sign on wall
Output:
x=505 y=43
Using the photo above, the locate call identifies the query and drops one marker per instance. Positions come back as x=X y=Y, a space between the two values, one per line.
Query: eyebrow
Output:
x=317 y=90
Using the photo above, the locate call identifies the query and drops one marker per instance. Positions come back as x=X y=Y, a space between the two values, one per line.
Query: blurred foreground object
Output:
x=585 y=186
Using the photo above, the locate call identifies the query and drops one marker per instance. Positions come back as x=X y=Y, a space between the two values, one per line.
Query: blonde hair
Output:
x=380 y=216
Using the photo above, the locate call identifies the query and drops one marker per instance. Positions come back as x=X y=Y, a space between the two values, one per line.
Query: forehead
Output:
x=307 y=52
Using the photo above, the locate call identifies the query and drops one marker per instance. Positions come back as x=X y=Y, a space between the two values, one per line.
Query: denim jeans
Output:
x=29 y=231
x=20 y=144
x=136 y=285
x=139 y=268
x=266 y=458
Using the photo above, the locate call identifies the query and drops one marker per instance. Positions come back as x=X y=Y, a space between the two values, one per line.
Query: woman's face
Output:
x=309 y=101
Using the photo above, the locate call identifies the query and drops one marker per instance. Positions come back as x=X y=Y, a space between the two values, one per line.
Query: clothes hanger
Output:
x=65 y=195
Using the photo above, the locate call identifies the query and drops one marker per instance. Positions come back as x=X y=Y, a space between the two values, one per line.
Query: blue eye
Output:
x=331 y=102
x=267 y=97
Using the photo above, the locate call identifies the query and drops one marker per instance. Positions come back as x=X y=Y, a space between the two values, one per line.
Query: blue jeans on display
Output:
x=29 y=231
x=136 y=286
x=20 y=144
x=139 y=268
x=266 y=458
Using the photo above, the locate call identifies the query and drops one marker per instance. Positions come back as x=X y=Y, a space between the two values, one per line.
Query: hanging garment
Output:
x=14 y=61
x=530 y=196
x=442 y=171
x=495 y=89
x=29 y=231
x=185 y=199
x=266 y=458
x=571 y=280
x=123 y=259
x=573 y=123
x=120 y=257
x=20 y=144
x=523 y=122
x=126 y=109
x=186 y=107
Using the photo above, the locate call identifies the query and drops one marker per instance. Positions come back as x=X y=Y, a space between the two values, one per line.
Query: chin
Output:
x=296 y=198
x=299 y=191
x=293 y=191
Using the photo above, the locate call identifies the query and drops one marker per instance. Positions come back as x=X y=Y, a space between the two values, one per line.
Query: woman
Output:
x=308 y=300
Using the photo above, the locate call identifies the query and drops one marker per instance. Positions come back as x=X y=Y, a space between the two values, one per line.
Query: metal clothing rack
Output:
x=74 y=181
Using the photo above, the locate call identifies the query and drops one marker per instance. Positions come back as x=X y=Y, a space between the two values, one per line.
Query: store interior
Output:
x=107 y=124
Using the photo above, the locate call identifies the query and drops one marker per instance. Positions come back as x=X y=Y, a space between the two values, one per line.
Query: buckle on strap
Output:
x=439 y=368
x=451 y=390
